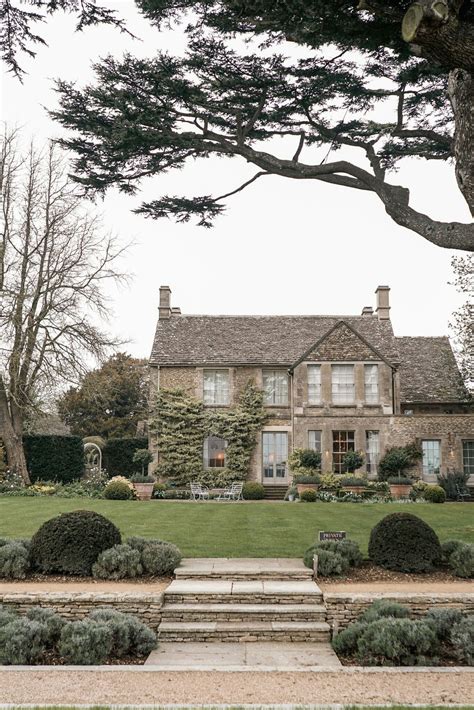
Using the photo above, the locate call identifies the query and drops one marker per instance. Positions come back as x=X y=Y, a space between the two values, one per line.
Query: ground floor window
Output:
x=342 y=442
x=372 y=451
x=275 y=454
x=314 y=441
x=468 y=456
x=431 y=456
x=214 y=452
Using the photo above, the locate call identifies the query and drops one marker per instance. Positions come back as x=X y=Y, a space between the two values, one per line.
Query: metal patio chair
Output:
x=199 y=492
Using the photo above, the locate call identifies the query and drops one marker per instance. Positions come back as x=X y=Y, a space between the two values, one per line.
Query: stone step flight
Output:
x=247 y=600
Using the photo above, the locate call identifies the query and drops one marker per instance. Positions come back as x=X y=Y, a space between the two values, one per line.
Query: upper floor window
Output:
x=314 y=440
x=216 y=387
x=214 y=452
x=314 y=384
x=371 y=380
x=343 y=386
x=431 y=456
x=275 y=387
x=468 y=456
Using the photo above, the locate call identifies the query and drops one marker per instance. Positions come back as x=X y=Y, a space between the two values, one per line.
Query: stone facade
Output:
x=420 y=393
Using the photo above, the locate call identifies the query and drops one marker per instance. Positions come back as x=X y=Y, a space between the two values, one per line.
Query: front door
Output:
x=275 y=456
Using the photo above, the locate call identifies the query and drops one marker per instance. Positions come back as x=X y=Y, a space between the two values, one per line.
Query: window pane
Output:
x=342 y=442
x=468 y=456
x=314 y=384
x=314 y=440
x=343 y=388
x=216 y=387
x=214 y=452
x=372 y=451
x=371 y=377
x=275 y=387
x=275 y=454
x=431 y=456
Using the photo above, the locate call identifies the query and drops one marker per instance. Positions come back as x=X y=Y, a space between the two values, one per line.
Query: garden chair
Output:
x=462 y=494
x=199 y=492
x=233 y=492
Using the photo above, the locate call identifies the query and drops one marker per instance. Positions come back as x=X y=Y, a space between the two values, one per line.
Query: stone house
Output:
x=331 y=383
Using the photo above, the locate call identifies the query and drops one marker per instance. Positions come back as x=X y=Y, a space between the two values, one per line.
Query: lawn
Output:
x=253 y=529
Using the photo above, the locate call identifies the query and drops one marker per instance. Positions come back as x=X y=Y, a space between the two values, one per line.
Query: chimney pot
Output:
x=164 y=309
x=383 y=302
x=176 y=311
x=367 y=311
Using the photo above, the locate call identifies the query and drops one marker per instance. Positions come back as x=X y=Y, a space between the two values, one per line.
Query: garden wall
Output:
x=77 y=605
x=343 y=608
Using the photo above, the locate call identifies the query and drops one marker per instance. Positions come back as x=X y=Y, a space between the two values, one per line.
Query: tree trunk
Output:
x=461 y=93
x=11 y=428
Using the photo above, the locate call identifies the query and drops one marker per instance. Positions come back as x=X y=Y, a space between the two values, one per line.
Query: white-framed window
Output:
x=275 y=454
x=275 y=387
x=214 y=452
x=216 y=387
x=431 y=456
x=314 y=384
x=343 y=385
x=372 y=451
x=371 y=381
x=314 y=440
x=468 y=456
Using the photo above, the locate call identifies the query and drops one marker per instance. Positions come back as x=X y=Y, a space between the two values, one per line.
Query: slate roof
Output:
x=428 y=371
x=256 y=340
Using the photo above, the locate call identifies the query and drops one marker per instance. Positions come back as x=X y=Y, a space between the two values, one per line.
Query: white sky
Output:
x=283 y=246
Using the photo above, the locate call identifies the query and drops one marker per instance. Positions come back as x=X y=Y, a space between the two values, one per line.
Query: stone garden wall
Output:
x=343 y=608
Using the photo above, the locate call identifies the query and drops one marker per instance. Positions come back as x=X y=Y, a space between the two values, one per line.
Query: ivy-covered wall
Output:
x=180 y=423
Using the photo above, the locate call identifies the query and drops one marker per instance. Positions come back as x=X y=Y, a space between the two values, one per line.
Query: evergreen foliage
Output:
x=461 y=560
x=308 y=496
x=252 y=490
x=22 y=642
x=401 y=642
x=119 y=453
x=462 y=638
x=397 y=461
x=434 y=494
x=180 y=424
x=54 y=458
x=405 y=543
x=453 y=483
x=72 y=542
x=117 y=562
x=14 y=560
x=443 y=621
x=160 y=558
x=335 y=557
x=118 y=490
x=86 y=642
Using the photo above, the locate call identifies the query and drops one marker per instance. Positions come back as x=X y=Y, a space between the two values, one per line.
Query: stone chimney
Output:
x=164 y=309
x=176 y=311
x=383 y=302
x=367 y=311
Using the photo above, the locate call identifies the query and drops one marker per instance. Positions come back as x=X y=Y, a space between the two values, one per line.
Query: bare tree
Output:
x=54 y=263
x=462 y=325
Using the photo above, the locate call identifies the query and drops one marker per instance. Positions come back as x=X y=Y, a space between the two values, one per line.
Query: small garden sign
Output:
x=331 y=535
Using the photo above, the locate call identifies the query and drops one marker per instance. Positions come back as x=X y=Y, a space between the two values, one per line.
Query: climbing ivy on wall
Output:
x=181 y=423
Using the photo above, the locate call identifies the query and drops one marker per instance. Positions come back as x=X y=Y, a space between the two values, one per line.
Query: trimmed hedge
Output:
x=252 y=490
x=118 y=455
x=70 y=543
x=404 y=543
x=54 y=457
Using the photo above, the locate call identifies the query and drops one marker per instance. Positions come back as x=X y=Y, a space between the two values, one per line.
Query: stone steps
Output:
x=254 y=569
x=243 y=612
x=227 y=631
x=242 y=592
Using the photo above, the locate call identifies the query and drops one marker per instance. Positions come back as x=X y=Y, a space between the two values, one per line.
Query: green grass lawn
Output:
x=253 y=529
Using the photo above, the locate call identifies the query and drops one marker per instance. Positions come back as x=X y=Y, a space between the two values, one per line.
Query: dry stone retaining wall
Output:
x=343 y=609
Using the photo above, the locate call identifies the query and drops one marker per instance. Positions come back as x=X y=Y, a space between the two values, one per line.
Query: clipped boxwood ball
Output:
x=405 y=543
x=72 y=542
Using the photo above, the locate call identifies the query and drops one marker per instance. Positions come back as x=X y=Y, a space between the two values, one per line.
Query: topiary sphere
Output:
x=405 y=543
x=72 y=542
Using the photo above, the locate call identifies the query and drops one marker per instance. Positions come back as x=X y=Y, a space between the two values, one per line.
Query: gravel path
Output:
x=121 y=586
x=117 y=687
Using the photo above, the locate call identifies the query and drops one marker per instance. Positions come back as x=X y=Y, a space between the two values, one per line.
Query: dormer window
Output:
x=371 y=381
x=216 y=387
x=275 y=387
x=343 y=384
x=314 y=384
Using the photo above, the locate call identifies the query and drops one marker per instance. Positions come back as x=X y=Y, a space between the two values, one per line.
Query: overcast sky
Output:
x=283 y=246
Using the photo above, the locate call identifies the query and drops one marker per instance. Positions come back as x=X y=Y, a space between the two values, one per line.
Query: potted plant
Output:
x=292 y=493
x=400 y=486
x=353 y=484
x=306 y=483
x=143 y=486
x=305 y=465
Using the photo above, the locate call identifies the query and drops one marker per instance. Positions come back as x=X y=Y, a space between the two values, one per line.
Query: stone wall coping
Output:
x=74 y=597
x=402 y=596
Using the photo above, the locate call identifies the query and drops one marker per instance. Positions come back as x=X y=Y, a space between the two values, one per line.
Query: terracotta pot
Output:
x=399 y=490
x=144 y=491
x=358 y=490
x=300 y=487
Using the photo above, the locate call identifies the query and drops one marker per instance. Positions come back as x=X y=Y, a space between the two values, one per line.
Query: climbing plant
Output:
x=181 y=423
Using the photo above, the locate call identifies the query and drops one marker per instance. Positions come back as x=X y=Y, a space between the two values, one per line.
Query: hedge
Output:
x=54 y=457
x=118 y=455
